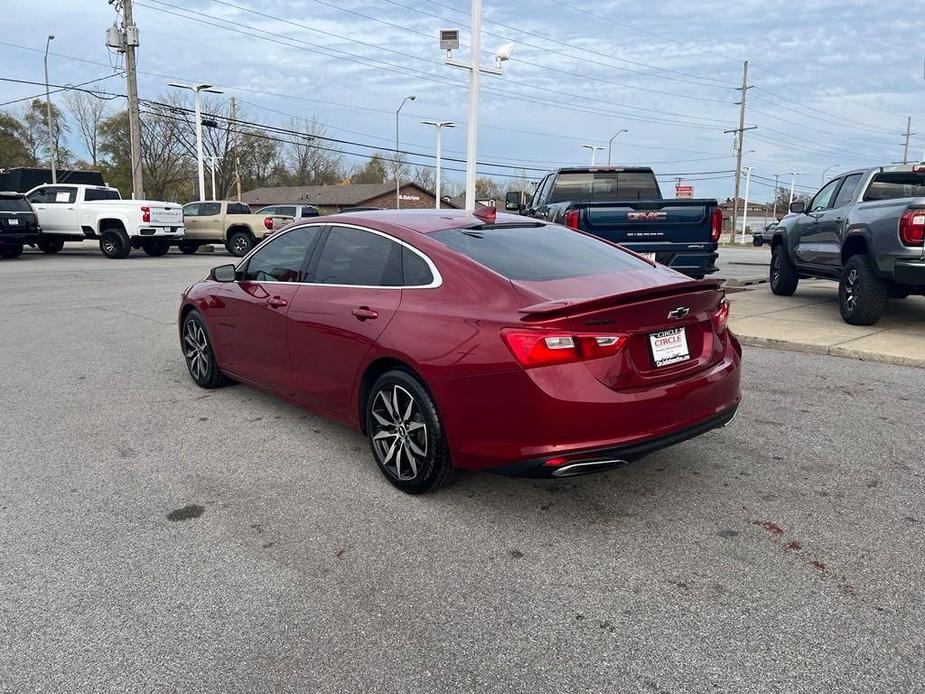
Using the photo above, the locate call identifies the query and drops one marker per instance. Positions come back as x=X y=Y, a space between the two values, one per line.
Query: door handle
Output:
x=365 y=313
x=277 y=302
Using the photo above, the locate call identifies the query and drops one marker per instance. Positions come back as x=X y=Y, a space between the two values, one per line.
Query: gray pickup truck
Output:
x=863 y=229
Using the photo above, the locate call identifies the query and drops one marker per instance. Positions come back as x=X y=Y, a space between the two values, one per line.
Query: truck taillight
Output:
x=146 y=214
x=571 y=219
x=912 y=227
x=268 y=223
x=716 y=224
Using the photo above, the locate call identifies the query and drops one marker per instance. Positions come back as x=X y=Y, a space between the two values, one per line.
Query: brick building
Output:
x=330 y=199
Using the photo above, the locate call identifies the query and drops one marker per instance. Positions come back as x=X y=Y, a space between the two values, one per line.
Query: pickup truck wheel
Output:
x=198 y=352
x=51 y=246
x=155 y=247
x=10 y=252
x=784 y=278
x=240 y=244
x=188 y=247
x=757 y=241
x=861 y=294
x=115 y=243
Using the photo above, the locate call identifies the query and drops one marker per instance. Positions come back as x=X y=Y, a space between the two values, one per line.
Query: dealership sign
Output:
x=684 y=191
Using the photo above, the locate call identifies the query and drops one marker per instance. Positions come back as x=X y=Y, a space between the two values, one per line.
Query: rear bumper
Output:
x=18 y=238
x=909 y=272
x=685 y=258
x=175 y=233
x=515 y=422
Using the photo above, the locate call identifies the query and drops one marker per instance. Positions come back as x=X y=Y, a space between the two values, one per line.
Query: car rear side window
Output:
x=847 y=191
x=282 y=258
x=14 y=204
x=415 y=271
x=896 y=184
x=210 y=209
x=91 y=194
x=549 y=252
x=605 y=186
x=236 y=208
x=355 y=257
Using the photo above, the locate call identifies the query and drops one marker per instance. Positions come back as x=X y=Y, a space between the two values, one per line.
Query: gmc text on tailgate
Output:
x=625 y=205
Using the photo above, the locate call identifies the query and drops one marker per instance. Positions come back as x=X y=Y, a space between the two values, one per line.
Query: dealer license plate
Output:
x=13 y=221
x=669 y=347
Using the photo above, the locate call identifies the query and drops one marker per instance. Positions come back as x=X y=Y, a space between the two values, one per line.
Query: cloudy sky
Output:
x=833 y=80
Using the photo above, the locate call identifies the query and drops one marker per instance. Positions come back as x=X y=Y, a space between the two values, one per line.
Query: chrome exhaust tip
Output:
x=587 y=466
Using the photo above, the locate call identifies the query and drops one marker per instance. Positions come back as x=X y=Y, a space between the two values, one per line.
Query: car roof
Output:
x=421 y=221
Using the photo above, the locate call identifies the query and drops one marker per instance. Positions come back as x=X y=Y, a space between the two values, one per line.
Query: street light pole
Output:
x=397 y=184
x=825 y=171
x=793 y=183
x=213 y=160
x=594 y=149
x=776 y=179
x=610 y=143
x=52 y=148
x=197 y=89
x=438 y=126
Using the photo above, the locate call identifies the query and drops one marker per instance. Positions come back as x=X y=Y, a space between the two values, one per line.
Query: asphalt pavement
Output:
x=742 y=262
x=157 y=537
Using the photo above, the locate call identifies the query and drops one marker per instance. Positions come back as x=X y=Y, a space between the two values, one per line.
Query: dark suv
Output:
x=18 y=224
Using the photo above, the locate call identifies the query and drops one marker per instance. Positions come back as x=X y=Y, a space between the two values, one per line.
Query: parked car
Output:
x=864 y=229
x=294 y=211
x=763 y=236
x=18 y=224
x=229 y=223
x=74 y=212
x=625 y=205
x=464 y=341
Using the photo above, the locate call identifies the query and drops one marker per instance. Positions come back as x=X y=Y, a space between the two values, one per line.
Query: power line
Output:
x=54 y=91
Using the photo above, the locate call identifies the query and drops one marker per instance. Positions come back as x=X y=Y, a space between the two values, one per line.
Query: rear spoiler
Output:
x=559 y=307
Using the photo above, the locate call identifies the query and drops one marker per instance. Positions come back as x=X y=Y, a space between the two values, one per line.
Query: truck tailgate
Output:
x=665 y=221
x=166 y=215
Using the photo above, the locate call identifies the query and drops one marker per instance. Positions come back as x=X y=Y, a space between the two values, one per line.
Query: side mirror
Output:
x=512 y=202
x=798 y=207
x=223 y=273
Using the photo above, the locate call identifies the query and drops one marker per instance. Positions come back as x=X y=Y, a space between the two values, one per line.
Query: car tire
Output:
x=155 y=247
x=408 y=441
x=240 y=243
x=10 y=252
x=757 y=242
x=51 y=246
x=783 y=276
x=115 y=243
x=861 y=294
x=198 y=353
x=188 y=247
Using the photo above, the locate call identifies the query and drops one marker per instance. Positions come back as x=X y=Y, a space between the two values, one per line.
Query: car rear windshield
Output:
x=14 y=204
x=605 y=186
x=896 y=184
x=91 y=194
x=546 y=252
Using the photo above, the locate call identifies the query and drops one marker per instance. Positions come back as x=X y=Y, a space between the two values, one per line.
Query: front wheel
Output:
x=757 y=241
x=240 y=244
x=198 y=352
x=784 y=278
x=51 y=246
x=406 y=434
x=861 y=294
x=10 y=252
x=155 y=247
x=115 y=243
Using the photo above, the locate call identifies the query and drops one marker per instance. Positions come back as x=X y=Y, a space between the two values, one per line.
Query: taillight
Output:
x=912 y=227
x=268 y=223
x=716 y=224
x=571 y=219
x=146 y=214
x=721 y=317
x=544 y=348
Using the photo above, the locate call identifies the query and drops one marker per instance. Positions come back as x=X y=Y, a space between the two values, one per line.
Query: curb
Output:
x=834 y=351
x=746 y=281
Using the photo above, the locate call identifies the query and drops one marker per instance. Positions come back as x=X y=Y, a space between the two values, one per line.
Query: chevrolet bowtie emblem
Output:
x=679 y=313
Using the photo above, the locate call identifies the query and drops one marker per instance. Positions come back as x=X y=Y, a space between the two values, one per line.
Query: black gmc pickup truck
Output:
x=625 y=205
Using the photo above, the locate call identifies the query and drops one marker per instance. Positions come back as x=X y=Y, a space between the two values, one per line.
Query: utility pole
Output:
x=909 y=133
x=52 y=146
x=234 y=147
x=130 y=32
x=776 y=179
x=740 y=139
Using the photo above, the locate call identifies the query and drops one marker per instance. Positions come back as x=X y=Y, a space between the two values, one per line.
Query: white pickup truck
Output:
x=71 y=212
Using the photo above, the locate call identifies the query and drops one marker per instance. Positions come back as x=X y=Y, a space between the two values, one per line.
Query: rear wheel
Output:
x=757 y=241
x=240 y=243
x=198 y=352
x=188 y=247
x=155 y=247
x=784 y=278
x=13 y=251
x=51 y=246
x=115 y=243
x=861 y=294
x=406 y=434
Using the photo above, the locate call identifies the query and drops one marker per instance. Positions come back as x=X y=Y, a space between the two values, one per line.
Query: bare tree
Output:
x=425 y=177
x=89 y=112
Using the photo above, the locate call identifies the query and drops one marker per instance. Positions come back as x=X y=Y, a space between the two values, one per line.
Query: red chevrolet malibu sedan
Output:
x=455 y=341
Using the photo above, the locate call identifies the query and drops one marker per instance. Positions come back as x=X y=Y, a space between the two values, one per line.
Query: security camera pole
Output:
x=197 y=89
x=475 y=67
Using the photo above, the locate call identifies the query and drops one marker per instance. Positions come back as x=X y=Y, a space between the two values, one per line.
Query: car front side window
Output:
x=282 y=258
x=824 y=196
